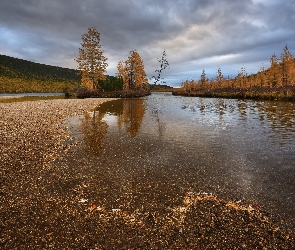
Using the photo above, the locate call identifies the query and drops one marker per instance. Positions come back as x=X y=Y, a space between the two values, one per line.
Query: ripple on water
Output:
x=242 y=148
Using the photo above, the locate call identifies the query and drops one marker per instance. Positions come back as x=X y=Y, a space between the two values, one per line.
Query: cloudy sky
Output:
x=196 y=34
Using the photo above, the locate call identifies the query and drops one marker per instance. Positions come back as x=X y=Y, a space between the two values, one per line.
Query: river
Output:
x=159 y=147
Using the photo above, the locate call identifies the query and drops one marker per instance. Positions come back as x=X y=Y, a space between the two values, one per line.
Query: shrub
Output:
x=113 y=94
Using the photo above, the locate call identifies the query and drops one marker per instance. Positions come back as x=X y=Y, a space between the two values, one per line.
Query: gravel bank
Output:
x=44 y=190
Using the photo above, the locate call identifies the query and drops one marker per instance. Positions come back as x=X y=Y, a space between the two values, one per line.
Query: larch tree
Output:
x=136 y=71
x=241 y=78
x=273 y=73
x=262 y=76
x=287 y=66
x=132 y=73
x=186 y=85
x=122 y=73
x=203 y=79
x=91 y=60
x=193 y=85
x=219 y=78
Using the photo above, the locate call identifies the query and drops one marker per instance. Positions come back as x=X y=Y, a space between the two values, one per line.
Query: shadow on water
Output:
x=148 y=152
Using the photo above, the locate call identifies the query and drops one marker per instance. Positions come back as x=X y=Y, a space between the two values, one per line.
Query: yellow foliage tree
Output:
x=287 y=67
x=123 y=74
x=91 y=60
x=273 y=73
x=132 y=71
x=203 y=80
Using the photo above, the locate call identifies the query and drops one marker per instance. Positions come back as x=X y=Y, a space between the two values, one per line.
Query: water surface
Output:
x=22 y=97
x=159 y=147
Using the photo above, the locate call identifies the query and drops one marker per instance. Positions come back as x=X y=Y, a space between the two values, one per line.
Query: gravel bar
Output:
x=44 y=200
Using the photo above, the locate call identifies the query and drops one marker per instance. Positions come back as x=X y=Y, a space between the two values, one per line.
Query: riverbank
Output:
x=46 y=185
x=280 y=93
x=10 y=97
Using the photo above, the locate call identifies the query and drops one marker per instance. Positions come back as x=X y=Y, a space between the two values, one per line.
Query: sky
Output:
x=196 y=34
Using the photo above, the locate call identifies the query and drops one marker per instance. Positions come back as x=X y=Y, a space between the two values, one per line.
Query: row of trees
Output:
x=93 y=65
x=281 y=73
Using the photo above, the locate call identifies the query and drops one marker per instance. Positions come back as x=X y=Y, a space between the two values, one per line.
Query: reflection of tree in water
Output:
x=132 y=114
x=94 y=130
x=280 y=115
x=242 y=109
x=129 y=112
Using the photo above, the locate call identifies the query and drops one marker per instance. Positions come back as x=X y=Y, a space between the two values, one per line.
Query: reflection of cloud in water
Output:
x=111 y=120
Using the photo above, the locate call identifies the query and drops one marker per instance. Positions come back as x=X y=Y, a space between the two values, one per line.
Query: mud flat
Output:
x=53 y=196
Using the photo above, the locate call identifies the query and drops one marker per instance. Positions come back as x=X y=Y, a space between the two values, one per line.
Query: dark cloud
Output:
x=196 y=34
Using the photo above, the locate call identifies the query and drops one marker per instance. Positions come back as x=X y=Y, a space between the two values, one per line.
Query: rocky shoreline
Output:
x=44 y=205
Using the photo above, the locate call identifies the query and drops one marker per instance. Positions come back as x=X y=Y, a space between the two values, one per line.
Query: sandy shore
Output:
x=43 y=204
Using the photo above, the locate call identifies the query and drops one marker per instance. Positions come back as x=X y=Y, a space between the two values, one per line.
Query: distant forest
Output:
x=281 y=73
x=276 y=82
x=21 y=76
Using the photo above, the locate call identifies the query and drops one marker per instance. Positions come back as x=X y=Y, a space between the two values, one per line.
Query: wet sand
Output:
x=54 y=195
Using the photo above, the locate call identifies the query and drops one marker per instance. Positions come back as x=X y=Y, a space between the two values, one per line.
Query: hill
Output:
x=160 y=88
x=19 y=76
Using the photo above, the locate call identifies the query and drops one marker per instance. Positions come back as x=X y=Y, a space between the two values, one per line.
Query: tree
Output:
x=163 y=65
x=273 y=72
x=186 y=85
x=122 y=73
x=203 y=79
x=111 y=83
x=193 y=85
x=261 y=76
x=287 y=66
x=135 y=69
x=219 y=78
x=91 y=61
x=203 y=82
x=241 y=78
x=132 y=72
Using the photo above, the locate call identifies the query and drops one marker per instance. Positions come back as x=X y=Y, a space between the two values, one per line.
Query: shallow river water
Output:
x=161 y=146
x=23 y=97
